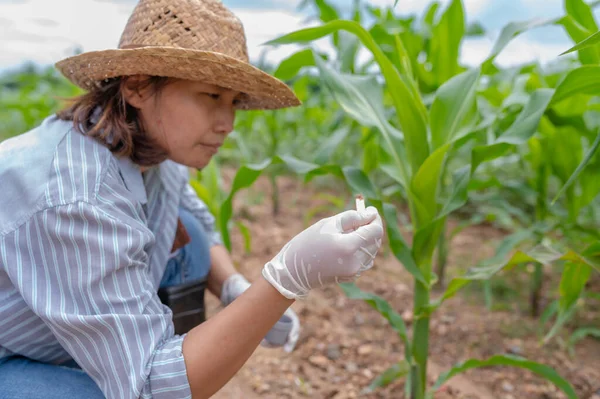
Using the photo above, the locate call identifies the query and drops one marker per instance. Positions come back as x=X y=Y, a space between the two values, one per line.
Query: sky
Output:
x=45 y=31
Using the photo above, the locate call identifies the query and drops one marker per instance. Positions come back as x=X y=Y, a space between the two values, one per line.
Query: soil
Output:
x=345 y=344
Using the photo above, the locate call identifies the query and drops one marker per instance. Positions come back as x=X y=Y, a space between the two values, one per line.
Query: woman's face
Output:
x=190 y=119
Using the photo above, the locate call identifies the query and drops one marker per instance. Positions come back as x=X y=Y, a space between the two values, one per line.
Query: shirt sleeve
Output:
x=84 y=270
x=197 y=207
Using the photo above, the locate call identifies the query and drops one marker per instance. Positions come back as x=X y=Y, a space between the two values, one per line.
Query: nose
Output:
x=225 y=120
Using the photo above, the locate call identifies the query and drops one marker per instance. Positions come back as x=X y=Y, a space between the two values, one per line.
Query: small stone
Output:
x=507 y=386
x=401 y=288
x=515 y=350
x=319 y=361
x=367 y=373
x=365 y=349
x=407 y=316
x=359 y=320
x=333 y=352
x=351 y=367
x=447 y=319
x=263 y=388
x=442 y=330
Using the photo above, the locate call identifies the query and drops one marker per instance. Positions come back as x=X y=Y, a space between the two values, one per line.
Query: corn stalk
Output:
x=414 y=146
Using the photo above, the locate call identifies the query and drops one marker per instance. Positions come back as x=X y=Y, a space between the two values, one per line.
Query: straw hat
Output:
x=187 y=39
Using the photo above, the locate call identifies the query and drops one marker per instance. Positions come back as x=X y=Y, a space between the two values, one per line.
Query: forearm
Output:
x=216 y=349
x=221 y=268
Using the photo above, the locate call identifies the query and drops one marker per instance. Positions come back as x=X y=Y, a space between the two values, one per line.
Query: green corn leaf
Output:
x=507 y=360
x=451 y=105
x=390 y=375
x=327 y=11
x=382 y=307
x=348 y=51
x=289 y=67
x=430 y=13
x=398 y=245
x=572 y=283
x=359 y=182
x=328 y=147
x=475 y=29
x=387 y=156
x=582 y=13
x=582 y=80
x=590 y=41
x=509 y=243
x=582 y=165
x=361 y=97
x=411 y=111
x=592 y=253
x=578 y=33
x=550 y=311
x=245 y=176
x=540 y=254
x=580 y=334
x=427 y=236
x=245 y=231
x=424 y=186
x=458 y=193
x=509 y=32
x=520 y=131
x=475 y=274
x=445 y=42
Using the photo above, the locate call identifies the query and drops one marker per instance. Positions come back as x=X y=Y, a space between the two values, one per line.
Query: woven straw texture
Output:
x=188 y=39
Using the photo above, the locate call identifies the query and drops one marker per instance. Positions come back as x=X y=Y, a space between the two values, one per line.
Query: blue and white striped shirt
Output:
x=84 y=242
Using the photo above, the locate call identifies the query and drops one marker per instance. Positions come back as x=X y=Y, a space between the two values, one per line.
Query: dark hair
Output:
x=118 y=124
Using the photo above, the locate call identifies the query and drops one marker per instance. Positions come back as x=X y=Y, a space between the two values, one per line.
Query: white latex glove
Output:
x=284 y=333
x=333 y=250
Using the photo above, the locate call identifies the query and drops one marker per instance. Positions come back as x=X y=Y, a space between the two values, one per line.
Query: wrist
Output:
x=274 y=295
x=282 y=283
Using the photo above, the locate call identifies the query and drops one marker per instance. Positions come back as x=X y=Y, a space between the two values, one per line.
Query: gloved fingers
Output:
x=366 y=236
x=284 y=333
x=352 y=220
x=294 y=333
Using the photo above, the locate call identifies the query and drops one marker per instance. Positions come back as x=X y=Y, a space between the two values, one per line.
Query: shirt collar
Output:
x=133 y=178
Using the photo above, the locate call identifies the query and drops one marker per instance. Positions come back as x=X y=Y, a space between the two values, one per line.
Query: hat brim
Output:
x=261 y=90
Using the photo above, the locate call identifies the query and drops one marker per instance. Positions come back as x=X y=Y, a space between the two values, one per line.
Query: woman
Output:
x=96 y=214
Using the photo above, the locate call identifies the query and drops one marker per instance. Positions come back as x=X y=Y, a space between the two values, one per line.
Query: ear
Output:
x=135 y=90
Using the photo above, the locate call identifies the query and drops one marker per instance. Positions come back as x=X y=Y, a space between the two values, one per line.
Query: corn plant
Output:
x=29 y=95
x=417 y=141
x=564 y=151
x=208 y=185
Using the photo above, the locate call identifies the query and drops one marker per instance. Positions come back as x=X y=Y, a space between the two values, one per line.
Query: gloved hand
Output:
x=284 y=333
x=333 y=250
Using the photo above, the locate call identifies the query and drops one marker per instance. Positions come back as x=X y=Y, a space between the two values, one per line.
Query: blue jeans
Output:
x=21 y=377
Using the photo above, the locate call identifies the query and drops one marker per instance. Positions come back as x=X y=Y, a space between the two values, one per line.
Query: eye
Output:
x=214 y=96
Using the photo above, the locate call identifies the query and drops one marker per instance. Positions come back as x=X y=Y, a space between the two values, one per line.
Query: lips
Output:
x=213 y=148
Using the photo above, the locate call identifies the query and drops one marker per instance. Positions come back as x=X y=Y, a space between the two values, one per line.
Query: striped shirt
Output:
x=84 y=242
